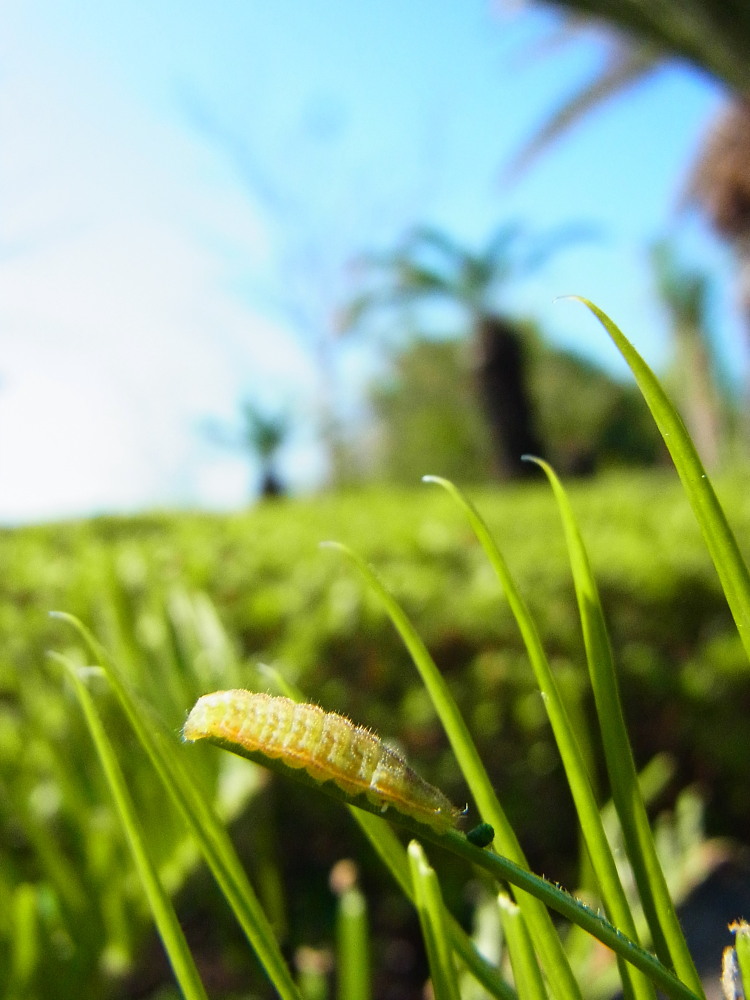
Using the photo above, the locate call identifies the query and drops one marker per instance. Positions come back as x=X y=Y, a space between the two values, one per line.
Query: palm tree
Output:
x=262 y=437
x=431 y=265
x=694 y=376
x=713 y=35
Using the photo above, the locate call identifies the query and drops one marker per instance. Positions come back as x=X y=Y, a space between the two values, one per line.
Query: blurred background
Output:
x=211 y=213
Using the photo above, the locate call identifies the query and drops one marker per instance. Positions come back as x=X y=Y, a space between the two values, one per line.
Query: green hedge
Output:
x=188 y=603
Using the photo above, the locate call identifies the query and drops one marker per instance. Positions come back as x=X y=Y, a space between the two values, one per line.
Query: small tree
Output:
x=261 y=436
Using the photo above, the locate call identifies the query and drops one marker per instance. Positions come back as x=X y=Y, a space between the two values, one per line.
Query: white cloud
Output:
x=118 y=329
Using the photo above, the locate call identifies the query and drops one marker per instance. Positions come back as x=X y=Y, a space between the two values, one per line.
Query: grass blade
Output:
x=165 y=917
x=393 y=855
x=599 y=851
x=554 y=960
x=202 y=821
x=667 y=935
x=742 y=951
x=557 y=899
x=526 y=973
x=719 y=538
x=430 y=909
x=352 y=946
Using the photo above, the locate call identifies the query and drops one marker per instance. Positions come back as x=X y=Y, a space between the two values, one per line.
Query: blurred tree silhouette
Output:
x=429 y=420
x=261 y=436
x=431 y=265
x=713 y=35
x=694 y=376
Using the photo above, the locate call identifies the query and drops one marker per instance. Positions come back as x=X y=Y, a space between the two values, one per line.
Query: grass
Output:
x=71 y=910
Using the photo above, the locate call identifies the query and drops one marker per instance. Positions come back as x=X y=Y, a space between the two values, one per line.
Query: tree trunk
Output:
x=501 y=377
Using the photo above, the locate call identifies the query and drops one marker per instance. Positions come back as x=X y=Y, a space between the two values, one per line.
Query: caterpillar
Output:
x=324 y=744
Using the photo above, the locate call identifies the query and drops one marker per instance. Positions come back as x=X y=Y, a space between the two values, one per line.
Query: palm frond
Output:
x=714 y=35
x=628 y=66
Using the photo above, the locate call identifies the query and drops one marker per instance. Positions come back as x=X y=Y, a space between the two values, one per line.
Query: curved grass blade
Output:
x=669 y=941
x=557 y=899
x=505 y=870
x=430 y=909
x=209 y=832
x=393 y=855
x=599 y=851
x=719 y=538
x=165 y=917
x=554 y=960
x=526 y=973
x=502 y=869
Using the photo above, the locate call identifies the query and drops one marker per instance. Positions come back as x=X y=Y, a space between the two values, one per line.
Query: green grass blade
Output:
x=392 y=854
x=742 y=950
x=719 y=538
x=599 y=851
x=557 y=899
x=669 y=941
x=430 y=909
x=352 y=946
x=165 y=917
x=500 y=868
x=526 y=972
x=202 y=821
x=24 y=941
x=554 y=960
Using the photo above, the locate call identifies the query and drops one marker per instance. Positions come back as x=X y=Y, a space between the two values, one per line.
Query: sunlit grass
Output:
x=71 y=911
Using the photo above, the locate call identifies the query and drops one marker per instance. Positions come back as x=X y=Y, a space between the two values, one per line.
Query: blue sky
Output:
x=184 y=183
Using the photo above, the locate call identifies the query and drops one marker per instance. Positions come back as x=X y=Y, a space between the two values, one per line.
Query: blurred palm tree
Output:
x=713 y=35
x=261 y=436
x=693 y=374
x=430 y=265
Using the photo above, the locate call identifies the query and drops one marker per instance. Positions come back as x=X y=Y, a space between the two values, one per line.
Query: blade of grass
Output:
x=742 y=949
x=554 y=960
x=201 y=819
x=430 y=909
x=499 y=867
x=24 y=941
x=389 y=849
x=719 y=538
x=669 y=941
x=612 y=893
x=564 y=904
x=393 y=855
x=352 y=947
x=526 y=973
x=163 y=912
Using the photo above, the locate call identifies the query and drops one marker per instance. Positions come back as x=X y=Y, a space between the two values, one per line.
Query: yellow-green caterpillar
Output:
x=327 y=746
